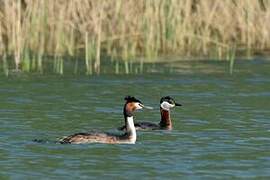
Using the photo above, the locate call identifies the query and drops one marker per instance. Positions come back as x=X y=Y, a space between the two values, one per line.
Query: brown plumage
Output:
x=81 y=138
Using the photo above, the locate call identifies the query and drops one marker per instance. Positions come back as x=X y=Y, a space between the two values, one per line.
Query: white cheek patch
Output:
x=166 y=106
x=138 y=106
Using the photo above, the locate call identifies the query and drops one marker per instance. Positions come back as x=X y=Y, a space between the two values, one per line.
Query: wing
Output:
x=81 y=138
x=146 y=126
x=142 y=126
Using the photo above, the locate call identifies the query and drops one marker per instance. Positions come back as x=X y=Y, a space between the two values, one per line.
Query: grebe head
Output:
x=167 y=102
x=132 y=104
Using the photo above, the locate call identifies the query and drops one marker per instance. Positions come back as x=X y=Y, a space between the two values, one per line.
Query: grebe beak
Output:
x=177 y=104
x=146 y=107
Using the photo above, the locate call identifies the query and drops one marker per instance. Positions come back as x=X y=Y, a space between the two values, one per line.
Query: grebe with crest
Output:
x=166 y=103
x=129 y=137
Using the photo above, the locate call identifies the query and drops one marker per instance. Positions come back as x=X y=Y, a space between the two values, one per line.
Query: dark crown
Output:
x=132 y=99
x=167 y=99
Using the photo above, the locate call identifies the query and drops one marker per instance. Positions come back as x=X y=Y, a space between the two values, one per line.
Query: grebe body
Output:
x=166 y=103
x=129 y=137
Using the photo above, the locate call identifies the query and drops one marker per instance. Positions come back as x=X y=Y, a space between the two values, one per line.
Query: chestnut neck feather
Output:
x=165 y=122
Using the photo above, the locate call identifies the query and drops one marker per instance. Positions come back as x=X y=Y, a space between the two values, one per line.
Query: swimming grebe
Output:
x=166 y=103
x=129 y=137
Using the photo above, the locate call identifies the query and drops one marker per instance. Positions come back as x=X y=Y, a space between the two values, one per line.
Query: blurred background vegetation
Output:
x=33 y=31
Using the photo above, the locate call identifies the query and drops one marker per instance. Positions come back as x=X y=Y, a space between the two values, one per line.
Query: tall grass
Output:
x=124 y=29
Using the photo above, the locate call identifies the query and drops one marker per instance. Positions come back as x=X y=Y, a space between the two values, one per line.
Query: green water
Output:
x=221 y=131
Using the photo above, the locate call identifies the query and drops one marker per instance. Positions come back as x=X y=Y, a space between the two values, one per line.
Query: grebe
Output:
x=166 y=103
x=129 y=137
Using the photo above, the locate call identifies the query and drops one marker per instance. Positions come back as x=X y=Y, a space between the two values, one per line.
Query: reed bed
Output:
x=31 y=30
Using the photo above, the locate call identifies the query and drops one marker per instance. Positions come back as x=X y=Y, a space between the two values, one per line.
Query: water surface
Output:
x=221 y=131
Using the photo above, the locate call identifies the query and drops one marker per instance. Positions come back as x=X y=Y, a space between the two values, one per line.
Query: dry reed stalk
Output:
x=128 y=28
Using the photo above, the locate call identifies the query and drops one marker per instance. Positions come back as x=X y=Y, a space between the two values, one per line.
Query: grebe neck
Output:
x=165 y=122
x=131 y=130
